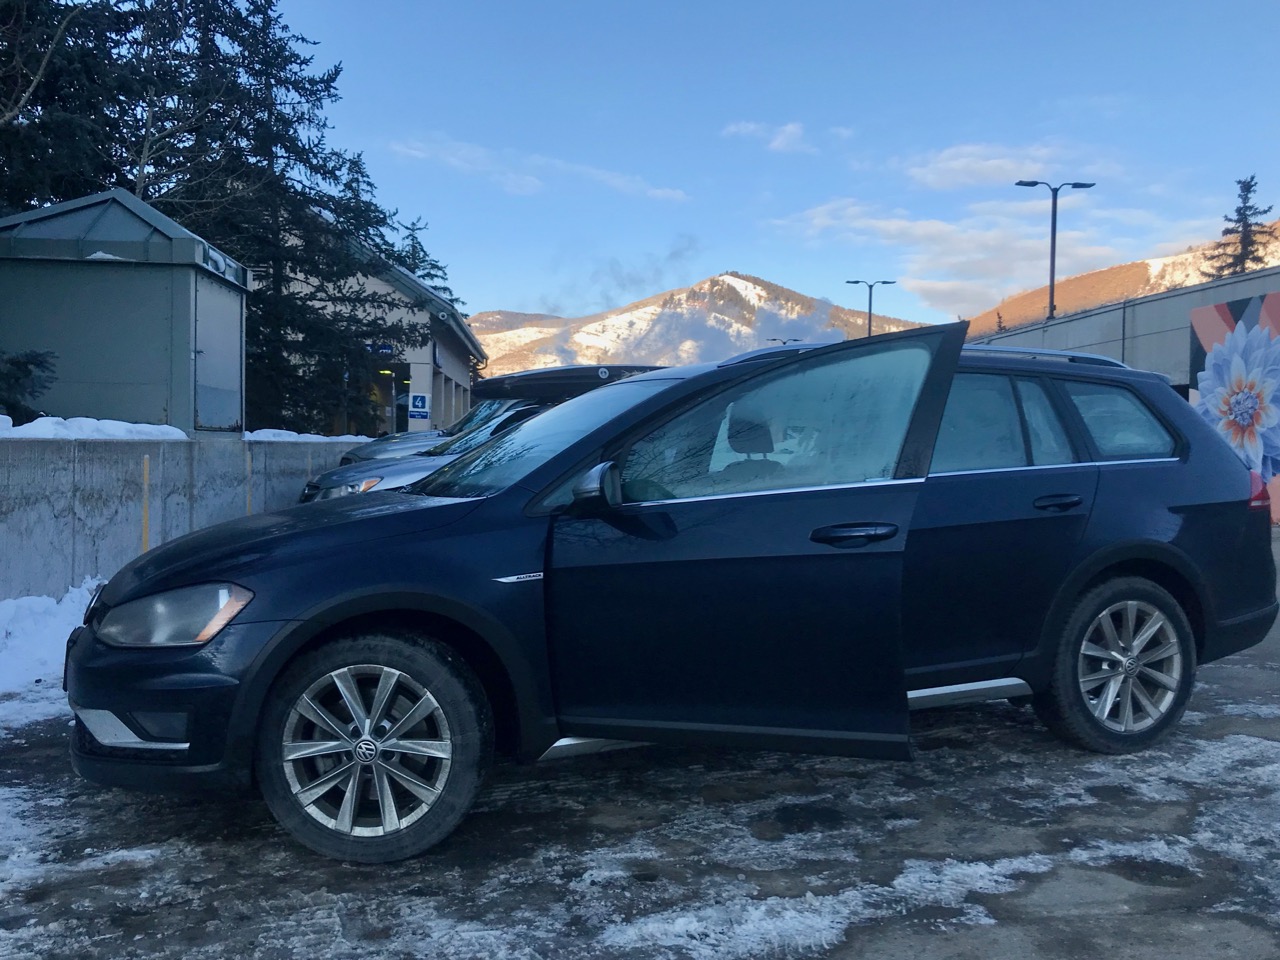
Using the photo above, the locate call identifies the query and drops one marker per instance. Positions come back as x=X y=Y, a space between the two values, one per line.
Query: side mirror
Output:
x=600 y=488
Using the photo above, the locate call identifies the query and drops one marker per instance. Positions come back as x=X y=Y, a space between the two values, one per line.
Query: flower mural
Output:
x=1240 y=395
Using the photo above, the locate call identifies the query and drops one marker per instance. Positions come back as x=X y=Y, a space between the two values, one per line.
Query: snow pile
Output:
x=281 y=436
x=33 y=640
x=86 y=428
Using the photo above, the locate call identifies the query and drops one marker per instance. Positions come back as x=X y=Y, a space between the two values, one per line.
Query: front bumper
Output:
x=163 y=719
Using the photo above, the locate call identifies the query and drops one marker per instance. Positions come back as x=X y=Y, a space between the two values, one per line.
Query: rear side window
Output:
x=1120 y=423
x=980 y=428
x=1049 y=443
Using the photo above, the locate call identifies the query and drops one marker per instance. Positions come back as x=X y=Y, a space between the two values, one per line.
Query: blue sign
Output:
x=418 y=407
x=383 y=349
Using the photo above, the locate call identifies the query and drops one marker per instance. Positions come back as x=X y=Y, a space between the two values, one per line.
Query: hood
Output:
x=394 y=473
x=235 y=550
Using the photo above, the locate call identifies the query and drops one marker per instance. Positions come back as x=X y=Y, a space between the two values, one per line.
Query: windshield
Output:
x=466 y=442
x=518 y=452
x=478 y=414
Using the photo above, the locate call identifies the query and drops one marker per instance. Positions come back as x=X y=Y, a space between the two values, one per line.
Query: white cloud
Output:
x=788 y=138
x=516 y=173
x=622 y=182
x=976 y=164
x=744 y=128
x=963 y=266
x=842 y=217
x=1096 y=106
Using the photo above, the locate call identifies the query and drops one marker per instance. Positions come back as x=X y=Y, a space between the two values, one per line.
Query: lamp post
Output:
x=1053 y=227
x=782 y=341
x=870 y=284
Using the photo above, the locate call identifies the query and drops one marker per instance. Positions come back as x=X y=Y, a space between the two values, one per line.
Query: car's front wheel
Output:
x=373 y=748
x=1124 y=669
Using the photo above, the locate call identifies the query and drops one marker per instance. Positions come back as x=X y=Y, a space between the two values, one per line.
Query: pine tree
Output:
x=1240 y=249
x=276 y=196
x=213 y=111
x=58 y=144
x=23 y=377
x=30 y=35
x=411 y=254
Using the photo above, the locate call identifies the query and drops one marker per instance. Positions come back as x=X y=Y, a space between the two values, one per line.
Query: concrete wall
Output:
x=74 y=508
x=1150 y=333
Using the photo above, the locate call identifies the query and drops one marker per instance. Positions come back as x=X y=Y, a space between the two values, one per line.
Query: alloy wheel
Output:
x=366 y=750
x=1130 y=666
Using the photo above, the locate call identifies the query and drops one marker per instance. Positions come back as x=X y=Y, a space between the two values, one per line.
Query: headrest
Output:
x=748 y=432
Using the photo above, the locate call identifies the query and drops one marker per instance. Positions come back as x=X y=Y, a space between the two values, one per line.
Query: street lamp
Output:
x=1053 y=227
x=782 y=340
x=870 y=288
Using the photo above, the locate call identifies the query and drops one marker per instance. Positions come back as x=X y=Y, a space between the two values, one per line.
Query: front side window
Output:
x=1120 y=423
x=837 y=420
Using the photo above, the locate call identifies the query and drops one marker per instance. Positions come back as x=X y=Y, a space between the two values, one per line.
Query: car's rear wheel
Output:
x=373 y=748
x=1124 y=669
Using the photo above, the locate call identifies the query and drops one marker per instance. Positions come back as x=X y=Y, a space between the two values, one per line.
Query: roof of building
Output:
x=111 y=226
x=415 y=289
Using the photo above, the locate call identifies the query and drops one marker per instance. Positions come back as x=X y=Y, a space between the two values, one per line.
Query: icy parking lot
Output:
x=998 y=841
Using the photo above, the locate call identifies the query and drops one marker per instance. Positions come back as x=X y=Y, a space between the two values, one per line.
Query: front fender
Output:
x=526 y=672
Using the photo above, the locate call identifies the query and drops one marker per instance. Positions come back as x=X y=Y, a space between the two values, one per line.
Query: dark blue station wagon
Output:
x=787 y=551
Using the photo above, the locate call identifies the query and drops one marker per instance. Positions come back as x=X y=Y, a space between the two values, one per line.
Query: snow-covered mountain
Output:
x=1124 y=281
x=711 y=320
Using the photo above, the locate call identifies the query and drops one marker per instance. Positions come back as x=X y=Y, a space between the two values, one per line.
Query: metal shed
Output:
x=146 y=319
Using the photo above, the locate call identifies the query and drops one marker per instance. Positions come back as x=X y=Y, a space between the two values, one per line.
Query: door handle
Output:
x=853 y=534
x=1058 y=501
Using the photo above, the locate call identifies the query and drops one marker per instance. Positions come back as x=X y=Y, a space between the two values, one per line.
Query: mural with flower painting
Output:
x=1235 y=369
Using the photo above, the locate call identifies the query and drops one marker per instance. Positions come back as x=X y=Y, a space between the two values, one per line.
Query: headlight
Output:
x=88 y=611
x=360 y=486
x=185 y=617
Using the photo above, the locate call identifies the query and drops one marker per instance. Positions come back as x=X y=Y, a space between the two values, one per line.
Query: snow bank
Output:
x=33 y=639
x=288 y=435
x=86 y=428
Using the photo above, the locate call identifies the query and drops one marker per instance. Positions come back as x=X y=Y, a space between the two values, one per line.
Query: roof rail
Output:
x=1070 y=356
x=771 y=353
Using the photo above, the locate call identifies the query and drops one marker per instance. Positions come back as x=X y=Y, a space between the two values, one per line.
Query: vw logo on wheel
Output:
x=366 y=751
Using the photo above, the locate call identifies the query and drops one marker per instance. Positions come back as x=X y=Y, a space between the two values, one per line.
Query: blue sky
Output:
x=575 y=156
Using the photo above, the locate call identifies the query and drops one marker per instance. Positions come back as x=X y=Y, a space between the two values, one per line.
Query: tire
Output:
x=340 y=789
x=1118 y=687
